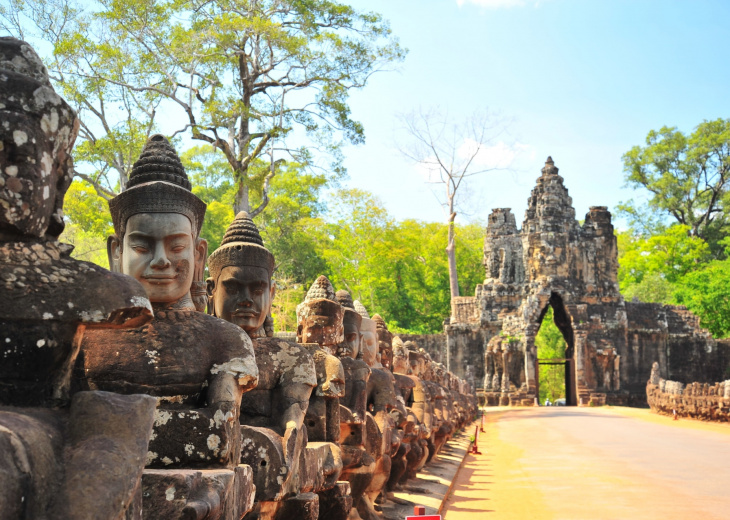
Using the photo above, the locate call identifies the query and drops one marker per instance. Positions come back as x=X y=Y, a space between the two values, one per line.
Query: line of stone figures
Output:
x=152 y=391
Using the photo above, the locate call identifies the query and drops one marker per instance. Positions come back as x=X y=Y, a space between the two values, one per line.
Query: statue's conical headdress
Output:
x=344 y=299
x=241 y=246
x=158 y=184
x=351 y=315
x=321 y=301
x=380 y=323
x=321 y=289
x=361 y=310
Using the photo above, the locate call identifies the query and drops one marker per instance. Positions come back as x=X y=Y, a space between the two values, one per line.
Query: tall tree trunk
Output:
x=451 y=254
x=242 y=202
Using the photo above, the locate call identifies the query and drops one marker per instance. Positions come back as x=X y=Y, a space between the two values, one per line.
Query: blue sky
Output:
x=581 y=80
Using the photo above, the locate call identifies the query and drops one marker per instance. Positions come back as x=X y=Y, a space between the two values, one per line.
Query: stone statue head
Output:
x=440 y=375
x=319 y=316
x=240 y=287
x=428 y=371
x=368 y=336
x=37 y=134
x=334 y=384
x=385 y=339
x=401 y=364
x=351 y=322
x=416 y=360
x=157 y=222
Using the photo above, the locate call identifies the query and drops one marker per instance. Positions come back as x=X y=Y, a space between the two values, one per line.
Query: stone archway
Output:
x=563 y=322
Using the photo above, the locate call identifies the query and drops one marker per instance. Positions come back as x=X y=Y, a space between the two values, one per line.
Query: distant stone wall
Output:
x=465 y=348
x=705 y=401
x=434 y=344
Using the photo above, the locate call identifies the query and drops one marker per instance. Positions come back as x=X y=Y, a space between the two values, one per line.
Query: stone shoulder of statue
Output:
x=195 y=348
x=355 y=368
x=283 y=362
x=41 y=281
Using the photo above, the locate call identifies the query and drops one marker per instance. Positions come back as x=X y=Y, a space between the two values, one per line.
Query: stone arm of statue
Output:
x=195 y=437
x=359 y=399
x=295 y=399
x=225 y=394
x=381 y=395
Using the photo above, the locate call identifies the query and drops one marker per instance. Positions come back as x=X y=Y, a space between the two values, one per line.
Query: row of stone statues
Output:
x=122 y=398
x=705 y=401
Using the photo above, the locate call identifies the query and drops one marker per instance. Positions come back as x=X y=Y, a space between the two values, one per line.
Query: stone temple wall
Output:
x=553 y=260
x=708 y=401
x=434 y=344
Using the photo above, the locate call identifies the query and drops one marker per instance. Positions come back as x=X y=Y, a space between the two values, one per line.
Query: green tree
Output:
x=550 y=345
x=115 y=122
x=240 y=75
x=687 y=178
x=88 y=223
x=650 y=268
x=451 y=153
x=705 y=292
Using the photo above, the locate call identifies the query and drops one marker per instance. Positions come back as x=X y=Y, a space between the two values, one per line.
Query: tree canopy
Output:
x=255 y=79
x=687 y=178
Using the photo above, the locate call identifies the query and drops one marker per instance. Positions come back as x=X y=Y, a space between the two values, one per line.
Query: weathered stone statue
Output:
x=320 y=329
x=358 y=461
x=241 y=290
x=388 y=414
x=320 y=323
x=357 y=371
x=197 y=366
x=422 y=405
x=56 y=449
x=385 y=339
x=414 y=432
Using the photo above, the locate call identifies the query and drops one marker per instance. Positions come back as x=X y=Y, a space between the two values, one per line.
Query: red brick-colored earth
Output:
x=567 y=463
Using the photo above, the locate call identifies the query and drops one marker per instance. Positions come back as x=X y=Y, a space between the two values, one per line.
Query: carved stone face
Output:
x=320 y=322
x=400 y=361
x=418 y=364
x=242 y=295
x=160 y=251
x=385 y=348
x=369 y=342
x=351 y=346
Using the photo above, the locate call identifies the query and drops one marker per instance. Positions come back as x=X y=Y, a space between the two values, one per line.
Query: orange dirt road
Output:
x=567 y=463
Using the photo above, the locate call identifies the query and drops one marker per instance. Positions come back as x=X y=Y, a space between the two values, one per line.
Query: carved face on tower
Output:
x=320 y=317
x=36 y=137
x=157 y=222
x=351 y=322
x=240 y=286
x=385 y=339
